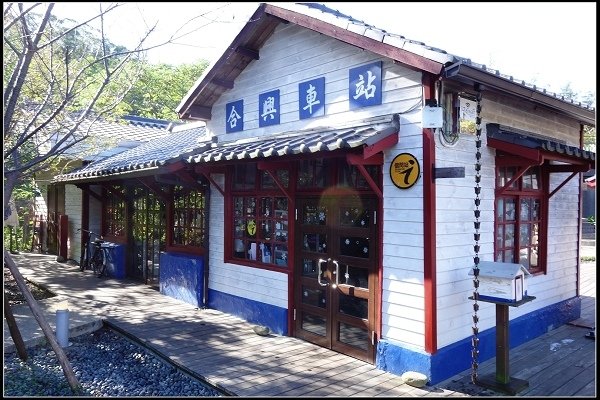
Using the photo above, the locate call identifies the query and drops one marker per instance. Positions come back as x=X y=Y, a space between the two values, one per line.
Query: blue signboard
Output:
x=365 y=85
x=234 y=116
x=268 y=108
x=311 y=96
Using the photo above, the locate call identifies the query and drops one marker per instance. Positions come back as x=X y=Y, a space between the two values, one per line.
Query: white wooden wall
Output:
x=455 y=205
x=293 y=55
x=403 y=242
x=73 y=197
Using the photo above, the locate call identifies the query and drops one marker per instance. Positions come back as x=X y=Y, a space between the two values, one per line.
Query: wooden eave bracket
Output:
x=206 y=171
x=271 y=167
x=519 y=174
x=151 y=184
x=86 y=188
x=113 y=190
x=359 y=162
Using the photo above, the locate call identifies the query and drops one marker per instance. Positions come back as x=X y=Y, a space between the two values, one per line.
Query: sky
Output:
x=548 y=44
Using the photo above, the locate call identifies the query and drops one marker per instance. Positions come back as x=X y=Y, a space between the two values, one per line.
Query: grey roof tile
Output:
x=300 y=142
x=151 y=154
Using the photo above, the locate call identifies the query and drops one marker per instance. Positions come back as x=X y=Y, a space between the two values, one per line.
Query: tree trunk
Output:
x=37 y=313
x=15 y=334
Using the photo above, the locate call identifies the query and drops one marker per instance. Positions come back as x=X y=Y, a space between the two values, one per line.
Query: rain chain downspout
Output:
x=476 y=236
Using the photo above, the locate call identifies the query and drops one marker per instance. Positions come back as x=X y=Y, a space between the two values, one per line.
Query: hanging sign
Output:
x=405 y=170
x=251 y=227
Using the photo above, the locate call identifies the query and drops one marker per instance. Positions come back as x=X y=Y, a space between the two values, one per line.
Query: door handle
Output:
x=319 y=272
x=337 y=274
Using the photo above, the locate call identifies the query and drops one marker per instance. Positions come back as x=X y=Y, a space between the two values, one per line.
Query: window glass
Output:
x=189 y=217
x=518 y=218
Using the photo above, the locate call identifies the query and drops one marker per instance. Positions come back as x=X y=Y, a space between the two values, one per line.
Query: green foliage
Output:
x=592 y=220
x=160 y=89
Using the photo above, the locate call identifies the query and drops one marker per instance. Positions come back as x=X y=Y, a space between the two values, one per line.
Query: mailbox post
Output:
x=503 y=284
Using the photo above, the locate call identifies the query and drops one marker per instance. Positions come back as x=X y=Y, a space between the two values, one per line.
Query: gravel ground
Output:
x=105 y=364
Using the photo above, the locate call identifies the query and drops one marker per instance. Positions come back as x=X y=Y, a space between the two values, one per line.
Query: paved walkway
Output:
x=226 y=352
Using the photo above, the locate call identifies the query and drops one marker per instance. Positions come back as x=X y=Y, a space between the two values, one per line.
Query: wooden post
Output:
x=15 y=334
x=39 y=316
x=501 y=381
x=63 y=234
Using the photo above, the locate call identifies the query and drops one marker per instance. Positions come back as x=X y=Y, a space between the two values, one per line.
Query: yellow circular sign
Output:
x=251 y=227
x=405 y=170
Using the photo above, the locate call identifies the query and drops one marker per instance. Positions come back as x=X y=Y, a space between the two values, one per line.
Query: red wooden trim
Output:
x=114 y=191
x=545 y=212
x=356 y=159
x=525 y=152
x=280 y=185
x=566 y=168
x=154 y=188
x=375 y=46
x=250 y=264
x=579 y=222
x=562 y=184
x=206 y=172
x=370 y=181
x=179 y=165
x=429 y=229
x=187 y=177
x=95 y=195
x=116 y=239
x=85 y=218
x=267 y=165
x=170 y=218
x=514 y=161
x=381 y=145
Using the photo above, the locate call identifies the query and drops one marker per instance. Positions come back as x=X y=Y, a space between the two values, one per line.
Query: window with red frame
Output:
x=260 y=216
x=519 y=218
x=114 y=214
x=189 y=222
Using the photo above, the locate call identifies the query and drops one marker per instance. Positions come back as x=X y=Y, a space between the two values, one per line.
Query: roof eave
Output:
x=470 y=75
x=188 y=100
x=399 y=55
x=149 y=171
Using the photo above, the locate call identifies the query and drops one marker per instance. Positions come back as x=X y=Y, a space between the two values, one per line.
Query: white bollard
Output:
x=62 y=327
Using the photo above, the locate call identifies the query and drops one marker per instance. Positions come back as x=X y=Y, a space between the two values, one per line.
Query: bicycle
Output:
x=97 y=261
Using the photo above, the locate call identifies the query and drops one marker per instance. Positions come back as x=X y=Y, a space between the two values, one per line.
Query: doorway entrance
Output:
x=336 y=273
x=149 y=238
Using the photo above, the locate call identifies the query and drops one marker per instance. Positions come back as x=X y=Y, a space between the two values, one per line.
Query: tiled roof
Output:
x=145 y=156
x=145 y=122
x=107 y=138
x=300 y=142
x=335 y=17
x=533 y=141
x=194 y=146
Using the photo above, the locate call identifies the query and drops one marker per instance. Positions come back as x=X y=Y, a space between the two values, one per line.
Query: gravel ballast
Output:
x=105 y=364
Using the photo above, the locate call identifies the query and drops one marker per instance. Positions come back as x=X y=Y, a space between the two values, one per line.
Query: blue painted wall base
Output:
x=455 y=358
x=252 y=311
x=182 y=277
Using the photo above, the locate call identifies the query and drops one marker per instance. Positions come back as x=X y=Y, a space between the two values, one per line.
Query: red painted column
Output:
x=429 y=231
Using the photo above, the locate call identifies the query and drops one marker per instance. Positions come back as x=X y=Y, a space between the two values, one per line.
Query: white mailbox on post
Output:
x=504 y=282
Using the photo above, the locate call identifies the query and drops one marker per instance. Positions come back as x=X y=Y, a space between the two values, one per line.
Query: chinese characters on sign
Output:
x=365 y=85
x=364 y=90
x=404 y=170
x=268 y=108
x=311 y=97
x=234 y=112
